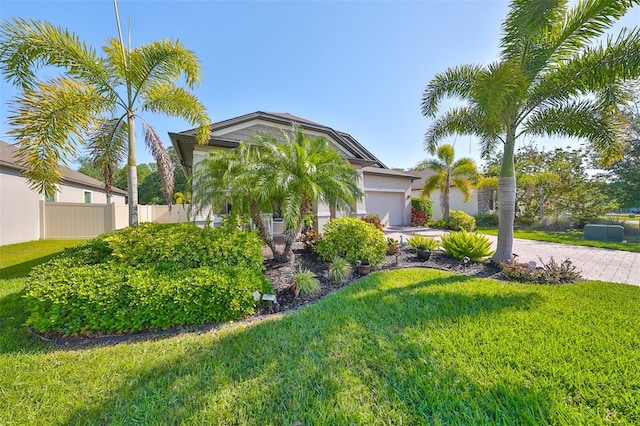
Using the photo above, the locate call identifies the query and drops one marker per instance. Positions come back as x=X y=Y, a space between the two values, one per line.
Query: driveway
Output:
x=594 y=263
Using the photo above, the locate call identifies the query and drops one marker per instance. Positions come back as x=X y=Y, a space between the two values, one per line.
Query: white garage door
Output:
x=387 y=205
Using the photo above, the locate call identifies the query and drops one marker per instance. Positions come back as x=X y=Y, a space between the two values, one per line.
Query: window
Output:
x=87 y=197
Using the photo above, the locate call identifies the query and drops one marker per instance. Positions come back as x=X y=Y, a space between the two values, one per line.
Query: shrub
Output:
x=487 y=220
x=374 y=220
x=459 y=220
x=354 y=240
x=421 y=242
x=466 y=244
x=580 y=220
x=113 y=298
x=340 y=270
x=310 y=240
x=440 y=223
x=151 y=276
x=187 y=245
x=421 y=210
x=392 y=246
x=305 y=282
x=549 y=273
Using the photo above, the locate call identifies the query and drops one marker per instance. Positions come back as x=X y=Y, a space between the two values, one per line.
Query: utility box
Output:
x=613 y=233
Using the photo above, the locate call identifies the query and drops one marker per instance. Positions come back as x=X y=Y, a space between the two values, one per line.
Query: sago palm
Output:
x=549 y=81
x=94 y=101
x=447 y=173
x=264 y=172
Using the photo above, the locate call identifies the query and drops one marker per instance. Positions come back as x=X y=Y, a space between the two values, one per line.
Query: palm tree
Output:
x=95 y=101
x=549 y=81
x=264 y=172
x=448 y=173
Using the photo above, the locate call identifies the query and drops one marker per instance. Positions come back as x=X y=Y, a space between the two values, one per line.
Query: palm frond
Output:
x=465 y=167
x=465 y=186
x=46 y=122
x=107 y=144
x=463 y=120
x=163 y=160
x=175 y=101
x=605 y=127
x=434 y=182
x=453 y=82
x=430 y=163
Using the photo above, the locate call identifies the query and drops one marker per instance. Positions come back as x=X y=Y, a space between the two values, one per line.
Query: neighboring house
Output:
x=20 y=206
x=387 y=192
x=456 y=199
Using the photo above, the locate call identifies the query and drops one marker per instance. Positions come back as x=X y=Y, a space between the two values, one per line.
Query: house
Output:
x=482 y=201
x=387 y=192
x=21 y=208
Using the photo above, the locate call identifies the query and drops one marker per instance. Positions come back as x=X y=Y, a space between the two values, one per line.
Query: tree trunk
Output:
x=541 y=195
x=290 y=236
x=132 y=172
x=507 y=197
x=445 y=202
x=254 y=212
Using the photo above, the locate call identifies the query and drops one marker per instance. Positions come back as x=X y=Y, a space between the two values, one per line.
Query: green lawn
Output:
x=568 y=237
x=16 y=260
x=400 y=347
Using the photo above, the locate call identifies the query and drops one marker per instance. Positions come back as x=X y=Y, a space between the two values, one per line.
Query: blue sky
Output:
x=357 y=66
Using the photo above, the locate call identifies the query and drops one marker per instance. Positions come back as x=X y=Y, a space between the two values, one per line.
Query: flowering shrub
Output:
x=459 y=220
x=421 y=211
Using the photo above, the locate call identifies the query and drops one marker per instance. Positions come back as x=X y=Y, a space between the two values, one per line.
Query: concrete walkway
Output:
x=593 y=263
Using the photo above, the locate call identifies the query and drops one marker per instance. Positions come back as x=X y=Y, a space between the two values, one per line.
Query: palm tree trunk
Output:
x=507 y=197
x=541 y=195
x=290 y=237
x=254 y=212
x=445 y=201
x=132 y=172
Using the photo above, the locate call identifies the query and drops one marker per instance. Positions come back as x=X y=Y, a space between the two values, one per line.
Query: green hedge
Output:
x=354 y=240
x=459 y=221
x=149 y=277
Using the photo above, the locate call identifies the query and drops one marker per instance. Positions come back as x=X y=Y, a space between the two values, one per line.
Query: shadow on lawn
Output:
x=350 y=359
x=21 y=270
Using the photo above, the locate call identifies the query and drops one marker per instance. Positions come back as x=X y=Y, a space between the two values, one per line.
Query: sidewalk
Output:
x=594 y=263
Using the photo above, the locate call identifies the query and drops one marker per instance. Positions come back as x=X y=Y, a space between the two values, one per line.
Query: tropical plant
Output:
x=447 y=173
x=460 y=220
x=392 y=246
x=374 y=220
x=95 y=102
x=340 y=270
x=264 y=172
x=421 y=210
x=354 y=240
x=421 y=242
x=549 y=81
x=463 y=244
x=549 y=273
x=305 y=282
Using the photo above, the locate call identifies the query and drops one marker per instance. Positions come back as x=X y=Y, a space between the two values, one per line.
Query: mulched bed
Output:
x=280 y=274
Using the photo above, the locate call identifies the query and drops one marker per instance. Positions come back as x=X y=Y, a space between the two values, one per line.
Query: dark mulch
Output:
x=280 y=274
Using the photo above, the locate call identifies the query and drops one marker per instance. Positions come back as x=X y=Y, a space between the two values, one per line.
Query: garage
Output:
x=388 y=205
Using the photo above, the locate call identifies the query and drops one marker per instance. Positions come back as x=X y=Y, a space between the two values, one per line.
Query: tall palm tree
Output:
x=264 y=172
x=447 y=173
x=549 y=81
x=95 y=101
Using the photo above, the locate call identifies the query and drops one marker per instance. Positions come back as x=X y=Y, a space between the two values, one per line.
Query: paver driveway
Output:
x=594 y=263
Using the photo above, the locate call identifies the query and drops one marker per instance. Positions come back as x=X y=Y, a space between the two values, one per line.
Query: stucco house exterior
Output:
x=482 y=201
x=20 y=206
x=387 y=192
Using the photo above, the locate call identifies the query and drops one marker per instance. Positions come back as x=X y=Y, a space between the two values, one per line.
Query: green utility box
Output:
x=604 y=233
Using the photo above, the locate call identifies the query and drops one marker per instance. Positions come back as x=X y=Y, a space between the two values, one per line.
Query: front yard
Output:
x=407 y=346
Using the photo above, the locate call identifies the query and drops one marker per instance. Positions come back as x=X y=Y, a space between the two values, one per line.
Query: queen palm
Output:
x=548 y=81
x=95 y=101
x=448 y=173
x=265 y=172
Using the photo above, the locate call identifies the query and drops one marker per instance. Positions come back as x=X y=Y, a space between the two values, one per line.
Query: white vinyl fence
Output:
x=76 y=220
